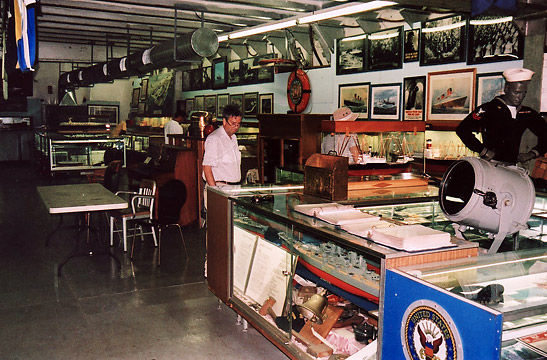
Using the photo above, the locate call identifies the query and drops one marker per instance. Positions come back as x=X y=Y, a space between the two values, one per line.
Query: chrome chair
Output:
x=170 y=200
x=142 y=205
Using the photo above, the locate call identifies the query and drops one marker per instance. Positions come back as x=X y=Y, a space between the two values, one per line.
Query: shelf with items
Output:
x=442 y=149
x=287 y=140
x=261 y=247
x=385 y=148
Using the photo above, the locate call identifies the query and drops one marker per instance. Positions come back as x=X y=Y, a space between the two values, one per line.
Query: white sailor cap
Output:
x=515 y=75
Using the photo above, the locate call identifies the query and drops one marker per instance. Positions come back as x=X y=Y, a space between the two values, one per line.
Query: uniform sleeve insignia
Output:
x=477 y=114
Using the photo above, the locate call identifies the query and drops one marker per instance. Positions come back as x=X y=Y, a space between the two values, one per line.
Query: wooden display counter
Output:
x=231 y=210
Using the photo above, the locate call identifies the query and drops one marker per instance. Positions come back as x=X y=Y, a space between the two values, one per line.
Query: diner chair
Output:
x=170 y=200
x=142 y=204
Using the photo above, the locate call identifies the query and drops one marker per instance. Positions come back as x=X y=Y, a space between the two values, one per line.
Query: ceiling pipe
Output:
x=191 y=47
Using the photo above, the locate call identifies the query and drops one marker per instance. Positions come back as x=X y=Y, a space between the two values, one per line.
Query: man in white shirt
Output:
x=173 y=125
x=222 y=158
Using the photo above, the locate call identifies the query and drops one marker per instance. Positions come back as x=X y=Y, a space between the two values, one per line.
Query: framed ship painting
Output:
x=356 y=98
x=450 y=94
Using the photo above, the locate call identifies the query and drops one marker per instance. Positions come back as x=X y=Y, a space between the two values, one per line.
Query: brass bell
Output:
x=313 y=308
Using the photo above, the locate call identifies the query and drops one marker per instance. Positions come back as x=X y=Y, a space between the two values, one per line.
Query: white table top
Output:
x=63 y=199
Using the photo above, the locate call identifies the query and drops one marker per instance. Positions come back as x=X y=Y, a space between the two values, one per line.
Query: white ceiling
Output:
x=140 y=24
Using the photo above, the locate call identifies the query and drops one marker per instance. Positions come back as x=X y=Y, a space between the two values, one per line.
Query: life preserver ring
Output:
x=298 y=91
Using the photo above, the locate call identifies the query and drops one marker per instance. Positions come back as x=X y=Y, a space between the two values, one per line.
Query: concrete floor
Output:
x=94 y=310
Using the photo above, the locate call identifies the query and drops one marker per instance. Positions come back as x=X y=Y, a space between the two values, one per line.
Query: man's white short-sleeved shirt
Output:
x=223 y=156
x=171 y=127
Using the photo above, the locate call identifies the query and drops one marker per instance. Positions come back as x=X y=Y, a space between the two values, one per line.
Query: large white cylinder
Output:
x=469 y=181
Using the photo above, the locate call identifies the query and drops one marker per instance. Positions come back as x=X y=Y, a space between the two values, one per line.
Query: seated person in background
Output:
x=341 y=144
x=502 y=122
x=173 y=125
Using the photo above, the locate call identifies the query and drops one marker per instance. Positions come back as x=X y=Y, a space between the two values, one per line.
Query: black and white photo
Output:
x=443 y=40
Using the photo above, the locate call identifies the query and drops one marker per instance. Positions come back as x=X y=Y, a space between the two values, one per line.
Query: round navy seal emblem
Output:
x=428 y=333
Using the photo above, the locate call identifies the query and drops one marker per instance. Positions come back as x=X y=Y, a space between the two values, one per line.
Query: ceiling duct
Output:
x=190 y=47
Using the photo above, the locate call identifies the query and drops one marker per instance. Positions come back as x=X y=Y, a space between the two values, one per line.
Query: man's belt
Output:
x=227 y=183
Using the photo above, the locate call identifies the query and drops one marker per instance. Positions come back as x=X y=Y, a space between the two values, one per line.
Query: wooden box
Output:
x=326 y=176
x=540 y=169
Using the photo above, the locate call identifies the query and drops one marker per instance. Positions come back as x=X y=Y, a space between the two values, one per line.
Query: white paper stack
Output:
x=364 y=229
x=411 y=237
x=316 y=209
x=349 y=216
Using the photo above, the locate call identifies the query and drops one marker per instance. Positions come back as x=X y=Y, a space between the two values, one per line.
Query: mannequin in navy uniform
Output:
x=502 y=122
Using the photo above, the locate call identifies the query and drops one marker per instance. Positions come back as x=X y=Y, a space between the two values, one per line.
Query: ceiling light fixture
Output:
x=344 y=10
x=336 y=11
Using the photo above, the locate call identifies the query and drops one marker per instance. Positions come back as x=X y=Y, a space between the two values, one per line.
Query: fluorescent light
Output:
x=357 y=37
x=278 y=25
x=491 y=21
x=444 y=27
x=344 y=10
x=335 y=11
x=383 y=36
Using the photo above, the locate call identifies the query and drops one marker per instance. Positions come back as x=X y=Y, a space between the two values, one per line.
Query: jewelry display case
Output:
x=261 y=245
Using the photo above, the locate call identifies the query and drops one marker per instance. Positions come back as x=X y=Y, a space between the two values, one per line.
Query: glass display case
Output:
x=266 y=259
x=511 y=283
x=385 y=147
x=77 y=153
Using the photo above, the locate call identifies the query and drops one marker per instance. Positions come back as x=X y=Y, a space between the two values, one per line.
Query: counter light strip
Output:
x=485 y=266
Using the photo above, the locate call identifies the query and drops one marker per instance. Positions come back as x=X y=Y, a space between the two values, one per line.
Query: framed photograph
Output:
x=135 y=97
x=265 y=103
x=264 y=74
x=350 y=55
x=107 y=114
x=250 y=104
x=186 y=81
x=492 y=39
x=237 y=100
x=196 y=79
x=414 y=98
x=222 y=101
x=385 y=101
x=385 y=49
x=488 y=87
x=220 y=68
x=207 y=82
x=199 y=103
x=355 y=97
x=443 y=40
x=189 y=105
x=412 y=45
x=144 y=90
x=234 y=72
x=140 y=108
x=248 y=74
x=211 y=104
x=450 y=94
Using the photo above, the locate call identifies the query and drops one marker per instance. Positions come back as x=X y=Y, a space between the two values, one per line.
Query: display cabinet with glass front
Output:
x=513 y=284
x=79 y=154
x=273 y=254
x=384 y=147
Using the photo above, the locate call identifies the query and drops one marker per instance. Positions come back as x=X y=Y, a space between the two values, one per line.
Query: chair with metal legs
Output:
x=170 y=200
x=142 y=204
